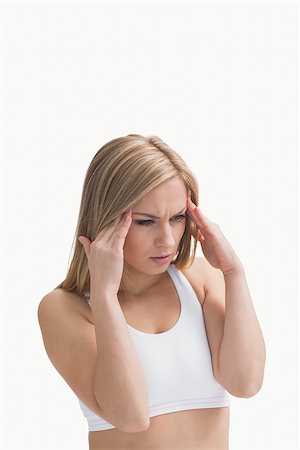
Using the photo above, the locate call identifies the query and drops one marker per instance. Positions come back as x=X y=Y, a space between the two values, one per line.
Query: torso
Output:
x=196 y=429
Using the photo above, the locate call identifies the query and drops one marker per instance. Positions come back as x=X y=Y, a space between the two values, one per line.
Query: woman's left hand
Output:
x=216 y=248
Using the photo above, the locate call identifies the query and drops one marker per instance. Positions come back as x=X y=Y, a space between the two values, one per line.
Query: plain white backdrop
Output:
x=218 y=82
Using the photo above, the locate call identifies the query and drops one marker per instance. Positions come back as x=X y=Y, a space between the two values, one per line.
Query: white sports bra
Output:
x=177 y=363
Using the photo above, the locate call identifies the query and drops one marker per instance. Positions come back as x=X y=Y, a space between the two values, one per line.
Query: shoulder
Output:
x=65 y=302
x=196 y=275
x=204 y=277
x=70 y=343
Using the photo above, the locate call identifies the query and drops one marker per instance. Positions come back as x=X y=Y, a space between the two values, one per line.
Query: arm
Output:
x=105 y=375
x=119 y=385
x=235 y=337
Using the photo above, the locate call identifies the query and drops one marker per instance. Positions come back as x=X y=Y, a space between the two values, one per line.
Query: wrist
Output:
x=235 y=271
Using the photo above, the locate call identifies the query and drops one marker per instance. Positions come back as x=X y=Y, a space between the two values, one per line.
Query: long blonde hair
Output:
x=123 y=171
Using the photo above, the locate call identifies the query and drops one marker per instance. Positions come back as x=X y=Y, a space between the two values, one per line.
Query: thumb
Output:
x=85 y=243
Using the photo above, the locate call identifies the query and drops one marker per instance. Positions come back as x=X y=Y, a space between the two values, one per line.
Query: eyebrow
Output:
x=155 y=217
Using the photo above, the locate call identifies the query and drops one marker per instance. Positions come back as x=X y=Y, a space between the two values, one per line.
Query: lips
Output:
x=162 y=256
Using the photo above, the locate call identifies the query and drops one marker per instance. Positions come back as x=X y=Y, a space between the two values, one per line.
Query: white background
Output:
x=218 y=82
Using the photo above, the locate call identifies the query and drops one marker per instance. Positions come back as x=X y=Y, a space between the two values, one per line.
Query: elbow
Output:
x=127 y=425
x=136 y=428
x=243 y=385
x=248 y=391
x=252 y=391
x=253 y=386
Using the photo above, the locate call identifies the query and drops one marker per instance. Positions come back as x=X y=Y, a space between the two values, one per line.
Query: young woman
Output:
x=150 y=338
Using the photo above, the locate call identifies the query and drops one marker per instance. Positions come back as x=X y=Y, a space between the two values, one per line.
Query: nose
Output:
x=165 y=238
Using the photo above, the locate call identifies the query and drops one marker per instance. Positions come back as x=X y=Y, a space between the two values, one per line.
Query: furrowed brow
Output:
x=155 y=217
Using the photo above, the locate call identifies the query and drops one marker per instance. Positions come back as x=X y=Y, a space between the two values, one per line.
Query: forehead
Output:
x=172 y=192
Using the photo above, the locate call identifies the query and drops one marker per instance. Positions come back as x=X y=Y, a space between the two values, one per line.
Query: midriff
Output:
x=194 y=429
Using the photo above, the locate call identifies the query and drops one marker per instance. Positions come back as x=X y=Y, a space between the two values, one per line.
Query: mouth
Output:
x=161 y=259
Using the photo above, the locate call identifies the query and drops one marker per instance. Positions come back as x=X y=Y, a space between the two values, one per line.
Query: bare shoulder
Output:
x=196 y=276
x=70 y=342
x=65 y=301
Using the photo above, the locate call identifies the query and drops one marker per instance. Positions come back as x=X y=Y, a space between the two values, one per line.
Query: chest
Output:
x=159 y=311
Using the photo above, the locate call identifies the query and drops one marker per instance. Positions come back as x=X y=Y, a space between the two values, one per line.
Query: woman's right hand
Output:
x=105 y=254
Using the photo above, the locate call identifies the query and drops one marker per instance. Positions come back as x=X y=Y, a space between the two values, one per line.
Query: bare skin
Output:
x=150 y=303
x=198 y=429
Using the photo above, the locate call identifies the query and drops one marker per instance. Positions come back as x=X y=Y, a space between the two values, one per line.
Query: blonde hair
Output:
x=123 y=171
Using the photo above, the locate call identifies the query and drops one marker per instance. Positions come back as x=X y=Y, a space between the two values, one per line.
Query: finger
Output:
x=85 y=242
x=117 y=227
x=121 y=232
x=202 y=221
x=197 y=233
x=198 y=216
x=200 y=237
x=108 y=231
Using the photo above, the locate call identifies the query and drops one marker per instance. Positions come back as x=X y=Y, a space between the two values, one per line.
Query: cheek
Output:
x=137 y=233
x=181 y=229
x=128 y=240
x=134 y=240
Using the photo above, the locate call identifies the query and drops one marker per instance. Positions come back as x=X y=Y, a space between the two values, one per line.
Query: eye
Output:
x=144 y=222
x=148 y=222
x=181 y=216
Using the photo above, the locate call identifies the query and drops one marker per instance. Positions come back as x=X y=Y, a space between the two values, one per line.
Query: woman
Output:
x=149 y=337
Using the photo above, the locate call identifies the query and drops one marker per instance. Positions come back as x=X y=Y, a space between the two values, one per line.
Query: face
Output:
x=150 y=236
